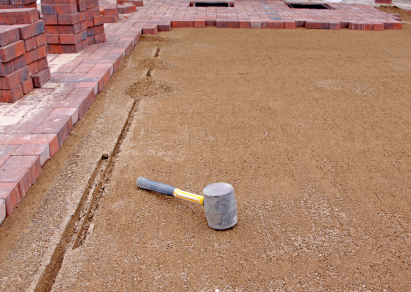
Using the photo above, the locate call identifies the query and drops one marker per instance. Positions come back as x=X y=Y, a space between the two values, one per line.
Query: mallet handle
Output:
x=150 y=185
x=168 y=190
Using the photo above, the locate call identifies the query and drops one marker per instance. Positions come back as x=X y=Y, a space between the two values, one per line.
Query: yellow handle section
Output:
x=188 y=196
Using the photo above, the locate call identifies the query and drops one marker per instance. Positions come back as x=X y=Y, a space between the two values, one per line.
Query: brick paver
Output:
x=33 y=128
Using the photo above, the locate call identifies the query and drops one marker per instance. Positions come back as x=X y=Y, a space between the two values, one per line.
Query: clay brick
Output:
x=73 y=38
x=4 y=2
x=92 y=3
x=85 y=96
x=41 y=40
x=33 y=67
x=378 y=26
x=392 y=25
x=61 y=125
x=11 y=95
x=126 y=8
x=334 y=25
x=64 y=29
x=137 y=3
x=95 y=30
x=42 y=63
x=31 y=30
x=98 y=20
x=50 y=19
x=111 y=18
x=92 y=12
x=2 y=210
x=35 y=54
x=20 y=139
x=11 y=51
x=289 y=24
x=111 y=10
x=54 y=2
x=81 y=6
x=383 y=1
x=273 y=24
x=8 y=35
x=19 y=16
x=244 y=24
x=40 y=78
x=53 y=39
x=100 y=38
x=150 y=29
x=59 y=8
x=10 y=193
x=30 y=44
x=71 y=18
x=317 y=24
x=5 y=152
x=164 y=26
x=21 y=2
x=41 y=150
x=90 y=22
x=27 y=86
x=12 y=80
x=227 y=24
x=182 y=23
x=199 y=23
x=65 y=49
x=22 y=170
x=211 y=22
x=11 y=66
x=359 y=26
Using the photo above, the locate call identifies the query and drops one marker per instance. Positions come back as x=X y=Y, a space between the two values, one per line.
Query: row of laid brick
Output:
x=51 y=111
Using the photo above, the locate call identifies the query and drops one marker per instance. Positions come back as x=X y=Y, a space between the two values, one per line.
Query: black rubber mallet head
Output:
x=218 y=200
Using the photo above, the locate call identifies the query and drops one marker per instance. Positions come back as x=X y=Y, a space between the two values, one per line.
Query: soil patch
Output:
x=405 y=14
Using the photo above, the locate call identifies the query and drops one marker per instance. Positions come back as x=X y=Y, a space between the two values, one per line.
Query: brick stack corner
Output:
x=11 y=4
x=111 y=12
x=23 y=53
x=72 y=25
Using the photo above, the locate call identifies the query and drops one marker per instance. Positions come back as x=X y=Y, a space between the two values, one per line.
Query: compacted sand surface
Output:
x=312 y=129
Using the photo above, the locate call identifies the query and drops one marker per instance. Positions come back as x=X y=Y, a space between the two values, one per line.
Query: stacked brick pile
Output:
x=111 y=12
x=23 y=53
x=72 y=25
x=7 y=4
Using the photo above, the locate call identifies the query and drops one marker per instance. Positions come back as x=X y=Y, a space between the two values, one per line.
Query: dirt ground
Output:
x=311 y=127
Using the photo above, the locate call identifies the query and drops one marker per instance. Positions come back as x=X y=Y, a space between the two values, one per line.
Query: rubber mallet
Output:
x=219 y=201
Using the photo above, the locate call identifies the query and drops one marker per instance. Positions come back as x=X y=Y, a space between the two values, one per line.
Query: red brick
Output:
x=53 y=39
x=50 y=19
x=11 y=95
x=71 y=18
x=27 y=86
x=54 y=2
x=137 y=3
x=289 y=24
x=164 y=26
x=150 y=29
x=59 y=8
x=100 y=38
x=42 y=63
x=182 y=23
x=12 y=80
x=199 y=23
x=73 y=38
x=273 y=24
x=360 y=26
x=65 y=49
x=211 y=22
x=334 y=25
x=111 y=10
x=92 y=12
x=98 y=20
x=8 y=35
x=34 y=55
x=11 y=194
x=383 y=1
x=85 y=96
x=21 y=2
x=22 y=170
x=11 y=66
x=33 y=67
x=81 y=6
x=126 y=8
x=11 y=51
x=5 y=152
x=40 y=78
x=227 y=24
x=378 y=26
x=19 y=16
x=31 y=30
x=91 y=3
x=4 y=2
x=41 y=150
x=111 y=18
x=90 y=22
x=56 y=124
x=64 y=29
x=244 y=24
x=30 y=44
x=317 y=24
x=392 y=25
x=20 y=139
x=41 y=40
x=95 y=30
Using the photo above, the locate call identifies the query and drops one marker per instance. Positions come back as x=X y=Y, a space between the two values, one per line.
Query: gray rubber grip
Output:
x=150 y=185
